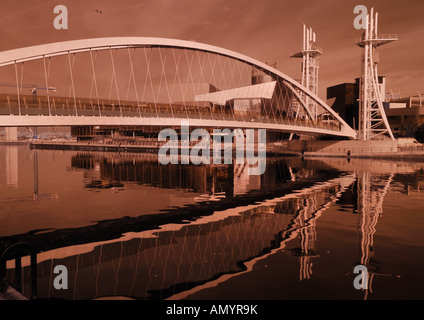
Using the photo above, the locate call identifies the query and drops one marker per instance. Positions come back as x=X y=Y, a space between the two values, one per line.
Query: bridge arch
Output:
x=289 y=89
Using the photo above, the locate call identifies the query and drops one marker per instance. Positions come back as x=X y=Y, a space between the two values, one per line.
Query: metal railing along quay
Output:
x=16 y=252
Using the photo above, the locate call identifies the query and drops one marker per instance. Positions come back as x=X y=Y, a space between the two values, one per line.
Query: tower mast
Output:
x=309 y=54
x=372 y=118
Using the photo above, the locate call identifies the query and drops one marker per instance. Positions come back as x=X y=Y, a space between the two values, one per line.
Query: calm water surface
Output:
x=128 y=227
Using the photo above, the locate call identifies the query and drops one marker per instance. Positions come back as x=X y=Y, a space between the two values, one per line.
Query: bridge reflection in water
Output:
x=175 y=257
x=222 y=235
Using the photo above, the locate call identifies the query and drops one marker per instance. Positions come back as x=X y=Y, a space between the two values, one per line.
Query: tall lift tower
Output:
x=310 y=66
x=372 y=118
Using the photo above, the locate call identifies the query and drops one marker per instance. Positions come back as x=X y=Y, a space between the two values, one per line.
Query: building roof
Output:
x=262 y=90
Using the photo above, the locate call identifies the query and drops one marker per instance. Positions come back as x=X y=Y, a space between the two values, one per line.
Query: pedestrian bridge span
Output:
x=136 y=81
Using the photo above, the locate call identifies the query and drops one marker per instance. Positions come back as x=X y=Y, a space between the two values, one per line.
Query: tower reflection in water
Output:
x=371 y=192
x=227 y=229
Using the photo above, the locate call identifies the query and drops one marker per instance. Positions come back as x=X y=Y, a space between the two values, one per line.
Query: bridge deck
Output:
x=31 y=111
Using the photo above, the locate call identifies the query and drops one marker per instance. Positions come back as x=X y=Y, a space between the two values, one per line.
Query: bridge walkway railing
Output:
x=65 y=107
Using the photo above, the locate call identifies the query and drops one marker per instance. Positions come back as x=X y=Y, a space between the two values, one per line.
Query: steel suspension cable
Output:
x=47 y=85
x=166 y=81
x=134 y=81
x=95 y=81
x=22 y=76
x=177 y=73
x=150 y=78
x=17 y=88
x=116 y=80
x=72 y=80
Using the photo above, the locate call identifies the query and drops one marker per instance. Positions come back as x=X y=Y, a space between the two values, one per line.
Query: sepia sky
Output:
x=267 y=30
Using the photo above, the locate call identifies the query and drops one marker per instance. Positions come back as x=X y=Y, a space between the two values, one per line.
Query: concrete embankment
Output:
x=380 y=149
x=377 y=149
x=399 y=155
x=13 y=143
x=141 y=147
x=70 y=145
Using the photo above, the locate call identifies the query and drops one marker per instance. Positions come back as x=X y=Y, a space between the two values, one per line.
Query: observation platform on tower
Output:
x=376 y=40
x=313 y=50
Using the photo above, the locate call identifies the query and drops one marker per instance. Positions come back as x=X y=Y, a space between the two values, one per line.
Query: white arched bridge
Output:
x=137 y=81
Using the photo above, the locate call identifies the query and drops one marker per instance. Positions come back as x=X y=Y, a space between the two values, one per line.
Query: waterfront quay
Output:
x=384 y=149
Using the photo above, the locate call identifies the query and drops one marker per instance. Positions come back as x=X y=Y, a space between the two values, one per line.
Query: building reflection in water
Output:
x=110 y=170
x=11 y=166
x=35 y=193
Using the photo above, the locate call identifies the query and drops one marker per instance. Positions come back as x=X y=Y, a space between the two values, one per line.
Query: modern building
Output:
x=345 y=96
x=405 y=114
x=346 y=99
